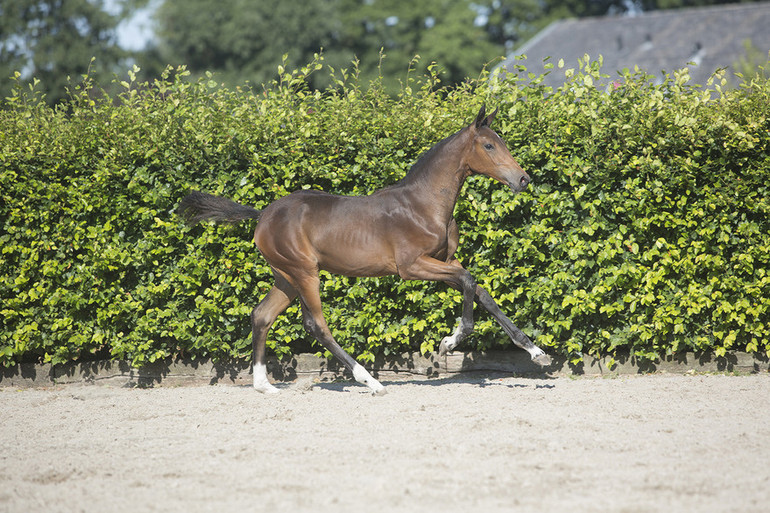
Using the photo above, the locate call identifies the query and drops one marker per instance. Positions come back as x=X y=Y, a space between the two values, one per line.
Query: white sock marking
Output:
x=261 y=383
x=451 y=341
x=535 y=352
x=362 y=376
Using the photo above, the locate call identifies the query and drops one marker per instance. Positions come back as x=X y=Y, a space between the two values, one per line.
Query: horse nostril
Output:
x=524 y=181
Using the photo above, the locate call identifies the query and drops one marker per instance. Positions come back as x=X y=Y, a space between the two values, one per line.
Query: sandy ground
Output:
x=476 y=443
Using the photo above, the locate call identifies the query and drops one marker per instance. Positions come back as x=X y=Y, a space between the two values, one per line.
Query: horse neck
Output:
x=439 y=174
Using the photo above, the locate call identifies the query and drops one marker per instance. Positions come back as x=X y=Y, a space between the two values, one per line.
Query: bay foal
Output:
x=406 y=229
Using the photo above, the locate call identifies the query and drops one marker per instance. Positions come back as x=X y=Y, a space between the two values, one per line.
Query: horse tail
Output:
x=200 y=206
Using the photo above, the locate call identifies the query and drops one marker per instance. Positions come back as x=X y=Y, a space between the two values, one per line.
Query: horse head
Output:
x=488 y=154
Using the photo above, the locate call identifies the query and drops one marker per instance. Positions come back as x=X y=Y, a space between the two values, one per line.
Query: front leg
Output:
x=517 y=336
x=457 y=277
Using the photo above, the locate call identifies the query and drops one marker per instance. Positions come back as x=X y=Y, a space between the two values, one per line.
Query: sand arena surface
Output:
x=473 y=443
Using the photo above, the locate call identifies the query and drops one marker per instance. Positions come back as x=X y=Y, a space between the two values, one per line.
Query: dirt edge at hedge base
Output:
x=406 y=366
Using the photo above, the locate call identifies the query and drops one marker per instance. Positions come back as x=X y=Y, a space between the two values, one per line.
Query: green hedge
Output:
x=646 y=230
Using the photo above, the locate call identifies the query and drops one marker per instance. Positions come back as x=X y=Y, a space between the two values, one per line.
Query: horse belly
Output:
x=354 y=253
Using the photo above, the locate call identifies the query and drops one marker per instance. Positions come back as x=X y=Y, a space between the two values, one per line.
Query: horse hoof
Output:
x=266 y=388
x=380 y=391
x=543 y=360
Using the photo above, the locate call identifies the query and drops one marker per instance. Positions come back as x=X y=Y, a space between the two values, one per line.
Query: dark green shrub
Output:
x=646 y=229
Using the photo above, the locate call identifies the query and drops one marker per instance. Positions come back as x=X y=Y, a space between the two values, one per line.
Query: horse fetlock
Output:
x=447 y=345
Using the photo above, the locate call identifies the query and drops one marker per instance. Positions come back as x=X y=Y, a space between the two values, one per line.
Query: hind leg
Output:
x=272 y=305
x=315 y=324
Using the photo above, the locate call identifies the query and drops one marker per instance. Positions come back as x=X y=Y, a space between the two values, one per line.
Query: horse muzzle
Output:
x=519 y=183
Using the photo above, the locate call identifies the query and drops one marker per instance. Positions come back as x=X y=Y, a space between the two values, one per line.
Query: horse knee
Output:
x=259 y=320
x=467 y=283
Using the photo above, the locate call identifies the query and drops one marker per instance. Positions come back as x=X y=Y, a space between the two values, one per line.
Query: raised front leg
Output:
x=453 y=274
x=517 y=336
x=483 y=298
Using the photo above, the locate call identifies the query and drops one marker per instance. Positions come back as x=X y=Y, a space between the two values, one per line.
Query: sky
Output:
x=136 y=32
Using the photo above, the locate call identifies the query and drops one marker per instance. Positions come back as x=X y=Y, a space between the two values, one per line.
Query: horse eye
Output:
x=489 y=146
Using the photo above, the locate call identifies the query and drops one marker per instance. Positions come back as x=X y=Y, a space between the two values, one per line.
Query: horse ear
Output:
x=480 y=118
x=490 y=118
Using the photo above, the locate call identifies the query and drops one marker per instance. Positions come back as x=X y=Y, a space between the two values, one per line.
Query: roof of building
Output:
x=658 y=41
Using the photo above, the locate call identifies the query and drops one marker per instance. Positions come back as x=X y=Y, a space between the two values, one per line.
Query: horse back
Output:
x=349 y=235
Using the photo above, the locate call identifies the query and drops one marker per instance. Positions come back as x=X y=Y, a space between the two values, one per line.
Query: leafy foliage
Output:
x=646 y=229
